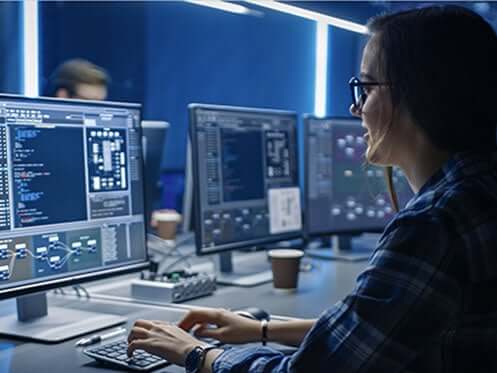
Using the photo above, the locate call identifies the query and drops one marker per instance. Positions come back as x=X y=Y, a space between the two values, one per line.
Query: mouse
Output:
x=253 y=313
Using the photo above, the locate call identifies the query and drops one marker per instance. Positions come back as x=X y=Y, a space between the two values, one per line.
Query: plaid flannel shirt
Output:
x=427 y=301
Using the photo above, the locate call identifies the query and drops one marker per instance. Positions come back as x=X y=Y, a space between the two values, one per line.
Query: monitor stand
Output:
x=250 y=275
x=34 y=323
x=253 y=272
x=343 y=249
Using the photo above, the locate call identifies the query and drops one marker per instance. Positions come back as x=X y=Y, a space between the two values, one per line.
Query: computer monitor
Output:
x=154 y=135
x=344 y=195
x=71 y=198
x=245 y=177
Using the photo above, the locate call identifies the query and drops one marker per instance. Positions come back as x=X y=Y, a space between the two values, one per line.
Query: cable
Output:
x=83 y=290
x=75 y=288
x=176 y=262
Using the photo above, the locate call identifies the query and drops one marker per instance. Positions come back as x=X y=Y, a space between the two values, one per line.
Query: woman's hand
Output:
x=162 y=339
x=222 y=325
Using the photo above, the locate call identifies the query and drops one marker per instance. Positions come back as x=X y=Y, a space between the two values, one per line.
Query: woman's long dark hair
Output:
x=391 y=188
x=441 y=62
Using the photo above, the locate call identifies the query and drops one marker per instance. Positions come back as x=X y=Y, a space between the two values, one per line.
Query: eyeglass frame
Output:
x=356 y=82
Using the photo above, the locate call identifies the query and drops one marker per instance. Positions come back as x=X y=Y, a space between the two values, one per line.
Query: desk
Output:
x=20 y=357
x=318 y=289
x=327 y=283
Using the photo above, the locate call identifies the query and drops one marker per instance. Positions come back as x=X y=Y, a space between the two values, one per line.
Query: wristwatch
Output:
x=196 y=357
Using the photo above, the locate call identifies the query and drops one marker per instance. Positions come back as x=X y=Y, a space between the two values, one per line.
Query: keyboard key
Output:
x=116 y=353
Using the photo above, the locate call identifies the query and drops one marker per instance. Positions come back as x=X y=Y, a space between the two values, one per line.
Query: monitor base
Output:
x=327 y=253
x=61 y=324
x=344 y=247
x=254 y=272
x=244 y=280
x=33 y=322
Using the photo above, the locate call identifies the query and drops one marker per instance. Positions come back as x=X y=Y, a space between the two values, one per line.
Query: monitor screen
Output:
x=71 y=193
x=245 y=176
x=154 y=142
x=343 y=192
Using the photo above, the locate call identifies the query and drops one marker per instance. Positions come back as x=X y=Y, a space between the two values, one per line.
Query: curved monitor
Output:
x=245 y=175
x=344 y=194
x=71 y=193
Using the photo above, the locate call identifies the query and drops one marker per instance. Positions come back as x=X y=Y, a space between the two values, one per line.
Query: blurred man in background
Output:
x=80 y=79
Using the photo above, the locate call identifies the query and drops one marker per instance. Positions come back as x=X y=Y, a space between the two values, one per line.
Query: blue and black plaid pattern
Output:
x=427 y=301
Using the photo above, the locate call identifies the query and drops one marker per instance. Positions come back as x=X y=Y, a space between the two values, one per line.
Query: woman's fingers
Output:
x=161 y=322
x=207 y=332
x=145 y=324
x=200 y=317
x=165 y=340
x=138 y=333
x=139 y=344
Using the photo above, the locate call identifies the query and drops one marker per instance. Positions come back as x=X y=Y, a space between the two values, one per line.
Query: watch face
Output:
x=193 y=359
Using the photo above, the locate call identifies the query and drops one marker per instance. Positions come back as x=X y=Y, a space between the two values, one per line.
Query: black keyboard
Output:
x=115 y=353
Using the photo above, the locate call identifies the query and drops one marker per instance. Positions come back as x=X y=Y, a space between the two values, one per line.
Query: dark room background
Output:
x=166 y=55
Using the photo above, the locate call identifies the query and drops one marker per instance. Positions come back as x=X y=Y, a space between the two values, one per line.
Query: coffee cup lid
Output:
x=286 y=253
x=166 y=215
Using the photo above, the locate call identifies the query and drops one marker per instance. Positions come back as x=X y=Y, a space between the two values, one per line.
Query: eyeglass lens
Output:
x=359 y=95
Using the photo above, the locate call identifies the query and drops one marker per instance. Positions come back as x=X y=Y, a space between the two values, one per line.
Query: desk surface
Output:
x=318 y=289
x=23 y=357
x=326 y=283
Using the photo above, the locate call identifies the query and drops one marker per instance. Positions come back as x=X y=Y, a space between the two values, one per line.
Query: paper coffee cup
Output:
x=285 y=264
x=166 y=222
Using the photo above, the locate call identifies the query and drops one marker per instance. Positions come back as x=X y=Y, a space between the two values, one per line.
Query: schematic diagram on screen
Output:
x=277 y=154
x=107 y=160
x=52 y=253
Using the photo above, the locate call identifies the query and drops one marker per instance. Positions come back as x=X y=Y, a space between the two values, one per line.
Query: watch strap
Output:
x=204 y=356
x=198 y=355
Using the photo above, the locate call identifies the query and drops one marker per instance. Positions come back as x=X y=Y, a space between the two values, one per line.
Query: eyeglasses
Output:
x=359 y=93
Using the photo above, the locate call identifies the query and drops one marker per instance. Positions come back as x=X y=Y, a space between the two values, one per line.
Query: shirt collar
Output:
x=458 y=166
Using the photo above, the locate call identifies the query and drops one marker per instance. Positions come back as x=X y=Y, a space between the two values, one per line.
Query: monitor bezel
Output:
x=314 y=234
x=90 y=275
x=200 y=251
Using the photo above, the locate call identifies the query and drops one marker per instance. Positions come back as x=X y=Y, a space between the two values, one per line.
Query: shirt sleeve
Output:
x=402 y=301
x=251 y=359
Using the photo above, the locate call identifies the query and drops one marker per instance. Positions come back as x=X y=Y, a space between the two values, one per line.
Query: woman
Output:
x=426 y=302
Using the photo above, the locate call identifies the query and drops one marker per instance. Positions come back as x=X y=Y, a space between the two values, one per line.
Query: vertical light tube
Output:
x=321 y=69
x=30 y=47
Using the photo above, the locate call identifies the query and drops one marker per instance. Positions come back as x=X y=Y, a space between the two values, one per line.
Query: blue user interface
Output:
x=343 y=192
x=246 y=176
x=71 y=195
